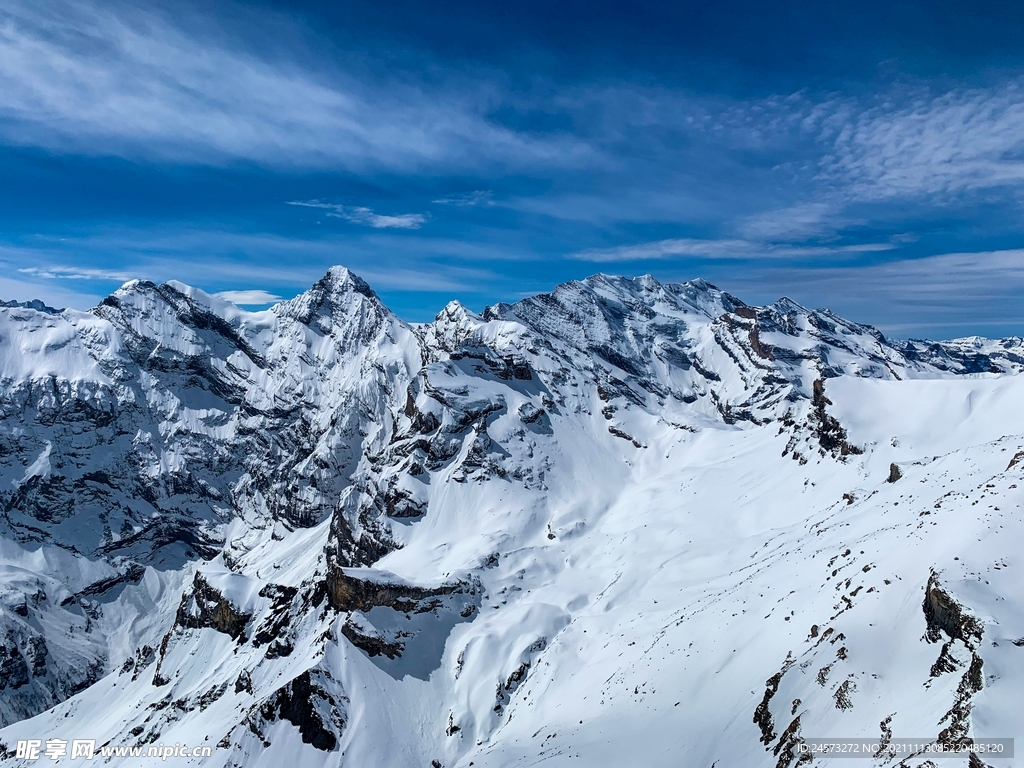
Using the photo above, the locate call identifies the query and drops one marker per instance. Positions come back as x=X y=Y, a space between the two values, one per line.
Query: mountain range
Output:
x=622 y=523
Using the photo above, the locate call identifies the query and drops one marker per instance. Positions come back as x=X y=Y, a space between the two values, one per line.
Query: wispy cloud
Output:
x=978 y=277
x=251 y=297
x=77 y=273
x=795 y=223
x=432 y=278
x=281 y=265
x=914 y=142
x=720 y=249
x=365 y=216
x=664 y=249
x=466 y=199
x=935 y=295
x=111 y=79
x=824 y=160
x=789 y=184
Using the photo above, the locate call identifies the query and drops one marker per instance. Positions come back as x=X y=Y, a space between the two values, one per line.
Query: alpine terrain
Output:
x=621 y=524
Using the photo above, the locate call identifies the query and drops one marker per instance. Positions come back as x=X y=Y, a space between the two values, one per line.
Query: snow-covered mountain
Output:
x=621 y=523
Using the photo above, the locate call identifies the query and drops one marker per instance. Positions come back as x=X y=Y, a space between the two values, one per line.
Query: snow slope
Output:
x=620 y=523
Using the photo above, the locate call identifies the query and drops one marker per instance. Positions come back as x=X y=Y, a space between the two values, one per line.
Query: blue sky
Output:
x=866 y=157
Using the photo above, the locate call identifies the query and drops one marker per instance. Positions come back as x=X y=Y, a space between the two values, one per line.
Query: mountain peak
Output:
x=131 y=286
x=454 y=308
x=342 y=280
x=339 y=298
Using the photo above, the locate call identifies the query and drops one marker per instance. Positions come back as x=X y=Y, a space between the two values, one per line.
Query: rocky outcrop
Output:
x=371 y=642
x=274 y=630
x=313 y=702
x=14 y=670
x=1017 y=459
x=348 y=593
x=830 y=433
x=945 y=615
x=205 y=607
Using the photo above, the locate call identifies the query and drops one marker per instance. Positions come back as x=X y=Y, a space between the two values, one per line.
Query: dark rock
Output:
x=830 y=433
x=347 y=593
x=206 y=607
x=311 y=703
x=274 y=628
x=788 y=749
x=945 y=663
x=132 y=575
x=843 y=695
x=36 y=653
x=619 y=433
x=762 y=714
x=373 y=645
x=13 y=669
x=243 y=682
x=144 y=656
x=944 y=613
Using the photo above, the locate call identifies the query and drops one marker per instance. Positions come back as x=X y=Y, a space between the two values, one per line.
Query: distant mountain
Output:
x=33 y=304
x=625 y=522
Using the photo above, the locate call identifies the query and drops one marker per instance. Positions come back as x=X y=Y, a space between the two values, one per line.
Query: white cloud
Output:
x=466 y=199
x=78 y=273
x=209 y=260
x=440 y=279
x=108 y=79
x=720 y=249
x=251 y=297
x=979 y=277
x=664 y=249
x=945 y=293
x=797 y=222
x=366 y=216
x=914 y=142
x=105 y=78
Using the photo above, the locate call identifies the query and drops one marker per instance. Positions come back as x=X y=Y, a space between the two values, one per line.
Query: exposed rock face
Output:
x=274 y=630
x=1017 y=458
x=360 y=599
x=831 y=434
x=944 y=614
x=309 y=703
x=206 y=607
x=347 y=593
x=13 y=668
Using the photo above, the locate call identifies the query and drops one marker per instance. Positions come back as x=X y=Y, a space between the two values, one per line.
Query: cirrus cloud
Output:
x=116 y=80
x=721 y=249
x=362 y=215
x=77 y=273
